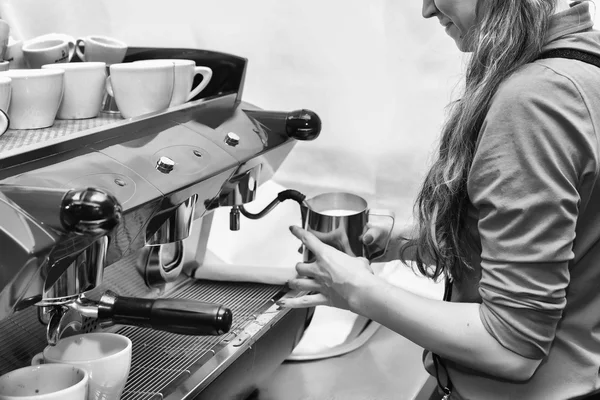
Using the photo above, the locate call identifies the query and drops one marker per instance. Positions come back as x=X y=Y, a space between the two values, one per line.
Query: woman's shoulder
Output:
x=556 y=80
x=538 y=80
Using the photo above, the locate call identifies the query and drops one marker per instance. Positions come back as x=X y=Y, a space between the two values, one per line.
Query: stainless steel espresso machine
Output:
x=95 y=222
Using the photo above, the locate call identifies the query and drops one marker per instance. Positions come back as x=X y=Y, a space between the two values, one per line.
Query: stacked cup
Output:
x=5 y=82
x=52 y=87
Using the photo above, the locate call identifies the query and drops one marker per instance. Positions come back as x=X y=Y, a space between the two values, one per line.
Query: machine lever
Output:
x=303 y=125
x=90 y=211
x=182 y=316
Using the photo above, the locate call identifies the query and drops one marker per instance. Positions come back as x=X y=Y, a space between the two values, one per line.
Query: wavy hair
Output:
x=507 y=35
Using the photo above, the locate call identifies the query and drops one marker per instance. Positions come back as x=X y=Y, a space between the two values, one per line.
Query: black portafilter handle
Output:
x=182 y=316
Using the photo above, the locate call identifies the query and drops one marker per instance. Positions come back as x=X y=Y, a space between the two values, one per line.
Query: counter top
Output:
x=387 y=367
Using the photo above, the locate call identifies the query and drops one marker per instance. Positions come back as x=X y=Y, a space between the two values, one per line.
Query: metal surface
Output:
x=163 y=364
x=82 y=201
x=162 y=264
x=156 y=207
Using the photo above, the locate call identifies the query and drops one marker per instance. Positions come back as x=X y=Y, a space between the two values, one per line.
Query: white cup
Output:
x=105 y=356
x=101 y=48
x=35 y=97
x=140 y=88
x=4 y=36
x=84 y=89
x=185 y=71
x=14 y=55
x=5 y=92
x=38 y=52
x=45 y=382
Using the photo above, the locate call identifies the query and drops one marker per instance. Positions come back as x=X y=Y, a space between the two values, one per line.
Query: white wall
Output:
x=376 y=72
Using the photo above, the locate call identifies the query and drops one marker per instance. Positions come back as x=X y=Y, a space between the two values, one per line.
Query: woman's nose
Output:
x=429 y=8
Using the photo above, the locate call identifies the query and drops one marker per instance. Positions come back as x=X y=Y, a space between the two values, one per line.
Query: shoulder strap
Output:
x=572 y=54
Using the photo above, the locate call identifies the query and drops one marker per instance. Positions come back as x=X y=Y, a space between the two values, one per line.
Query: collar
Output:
x=576 y=19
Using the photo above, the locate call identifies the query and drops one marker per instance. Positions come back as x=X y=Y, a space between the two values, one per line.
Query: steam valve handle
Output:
x=182 y=316
x=89 y=211
x=303 y=125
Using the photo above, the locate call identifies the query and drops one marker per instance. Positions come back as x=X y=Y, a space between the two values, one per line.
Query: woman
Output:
x=509 y=211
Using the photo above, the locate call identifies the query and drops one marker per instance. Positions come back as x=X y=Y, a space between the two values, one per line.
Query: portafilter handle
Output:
x=182 y=316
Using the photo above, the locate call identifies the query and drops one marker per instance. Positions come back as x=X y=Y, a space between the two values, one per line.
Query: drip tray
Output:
x=162 y=361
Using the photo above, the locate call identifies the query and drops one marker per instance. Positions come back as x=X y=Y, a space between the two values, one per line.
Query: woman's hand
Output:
x=376 y=237
x=334 y=276
x=336 y=238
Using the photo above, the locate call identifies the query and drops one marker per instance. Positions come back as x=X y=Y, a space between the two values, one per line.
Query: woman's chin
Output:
x=463 y=45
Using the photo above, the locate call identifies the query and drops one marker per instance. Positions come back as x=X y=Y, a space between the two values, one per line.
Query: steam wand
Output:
x=290 y=194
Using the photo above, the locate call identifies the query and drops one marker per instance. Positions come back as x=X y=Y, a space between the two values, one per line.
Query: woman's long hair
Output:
x=507 y=35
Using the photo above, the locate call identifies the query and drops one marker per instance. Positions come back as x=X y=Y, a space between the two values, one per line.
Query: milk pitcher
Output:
x=340 y=219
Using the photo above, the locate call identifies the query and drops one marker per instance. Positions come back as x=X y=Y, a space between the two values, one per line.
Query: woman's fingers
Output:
x=311 y=242
x=306 y=269
x=305 y=284
x=373 y=234
x=309 y=300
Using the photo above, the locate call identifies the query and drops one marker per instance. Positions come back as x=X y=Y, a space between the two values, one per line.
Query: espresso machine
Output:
x=96 y=217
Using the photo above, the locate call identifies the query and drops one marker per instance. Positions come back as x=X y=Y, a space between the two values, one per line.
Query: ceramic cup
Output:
x=105 y=356
x=47 y=51
x=101 y=48
x=5 y=92
x=185 y=71
x=84 y=89
x=4 y=36
x=141 y=88
x=45 y=382
x=340 y=219
x=35 y=97
x=14 y=55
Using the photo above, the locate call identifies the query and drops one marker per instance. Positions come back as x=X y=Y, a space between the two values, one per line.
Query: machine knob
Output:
x=232 y=139
x=303 y=125
x=90 y=211
x=165 y=165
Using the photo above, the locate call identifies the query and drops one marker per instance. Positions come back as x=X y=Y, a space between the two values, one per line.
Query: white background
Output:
x=376 y=72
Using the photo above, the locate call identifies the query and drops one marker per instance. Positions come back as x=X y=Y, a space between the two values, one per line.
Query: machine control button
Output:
x=232 y=139
x=241 y=339
x=165 y=165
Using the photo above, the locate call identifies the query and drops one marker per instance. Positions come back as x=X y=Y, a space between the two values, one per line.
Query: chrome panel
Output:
x=163 y=172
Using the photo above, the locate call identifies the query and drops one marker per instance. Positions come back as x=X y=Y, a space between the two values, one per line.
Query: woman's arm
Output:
x=452 y=330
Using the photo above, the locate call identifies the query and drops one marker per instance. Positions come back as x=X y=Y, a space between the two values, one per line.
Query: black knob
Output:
x=89 y=211
x=303 y=125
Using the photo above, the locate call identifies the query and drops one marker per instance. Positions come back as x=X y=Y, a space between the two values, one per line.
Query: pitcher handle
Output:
x=373 y=254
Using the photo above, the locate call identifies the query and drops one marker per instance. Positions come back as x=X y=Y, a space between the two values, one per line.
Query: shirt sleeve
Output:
x=524 y=185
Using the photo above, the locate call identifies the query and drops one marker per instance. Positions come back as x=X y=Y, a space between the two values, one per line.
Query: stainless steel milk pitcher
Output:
x=340 y=219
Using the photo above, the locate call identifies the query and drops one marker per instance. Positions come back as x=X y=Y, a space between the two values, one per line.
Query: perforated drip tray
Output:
x=161 y=360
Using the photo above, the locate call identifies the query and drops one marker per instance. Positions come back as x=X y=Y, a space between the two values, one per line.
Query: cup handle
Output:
x=372 y=254
x=71 y=49
x=206 y=76
x=108 y=86
x=78 y=49
x=38 y=359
